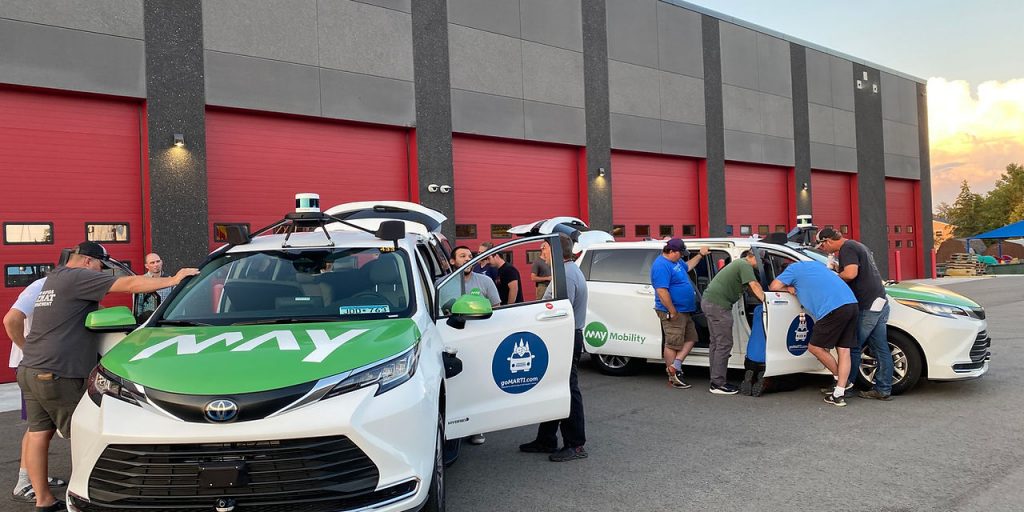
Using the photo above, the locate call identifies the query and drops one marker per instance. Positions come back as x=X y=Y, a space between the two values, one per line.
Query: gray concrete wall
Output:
x=655 y=78
x=175 y=104
x=900 y=127
x=757 y=96
x=871 y=166
x=595 y=94
x=832 y=112
x=801 y=130
x=338 y=59
x=714 y=165
x=94 y=46
x=927 y=234
x=516 y=69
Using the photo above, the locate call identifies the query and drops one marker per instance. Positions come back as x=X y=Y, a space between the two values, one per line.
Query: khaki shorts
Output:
x=541 y=288
x=50 y=400
x=677 y=331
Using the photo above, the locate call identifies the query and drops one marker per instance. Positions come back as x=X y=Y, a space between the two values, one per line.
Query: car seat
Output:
x=386 y=278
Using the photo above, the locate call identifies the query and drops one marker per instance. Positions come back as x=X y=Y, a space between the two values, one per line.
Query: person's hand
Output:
x=185 y=272
x=704 y=251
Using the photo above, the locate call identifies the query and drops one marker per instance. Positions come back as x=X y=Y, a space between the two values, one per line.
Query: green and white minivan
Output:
x=318 y=369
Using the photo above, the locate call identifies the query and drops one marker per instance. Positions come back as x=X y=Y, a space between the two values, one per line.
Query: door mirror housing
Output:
x=471 y=306
x=115 y=319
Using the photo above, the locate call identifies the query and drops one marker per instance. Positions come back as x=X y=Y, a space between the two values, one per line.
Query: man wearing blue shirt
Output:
x=675 y=301
x=834 y=308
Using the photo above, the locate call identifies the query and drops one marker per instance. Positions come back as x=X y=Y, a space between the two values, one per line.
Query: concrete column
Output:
x=871 y=165
x=595 y=97
x=715 y=124
x=801 y=129
x=927 y=233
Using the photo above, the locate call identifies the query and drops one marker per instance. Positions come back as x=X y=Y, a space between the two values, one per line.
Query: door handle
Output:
x=551 y=315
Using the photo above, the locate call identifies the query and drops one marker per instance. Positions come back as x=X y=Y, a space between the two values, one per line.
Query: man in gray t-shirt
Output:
x=540 y=270
x=460 y=256
x=60 y=352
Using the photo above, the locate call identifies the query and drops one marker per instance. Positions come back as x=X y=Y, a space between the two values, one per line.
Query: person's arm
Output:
x=513 y=291
x=14 y=324
x=755 y=288
x=143 y=284
x=690 y=265
x=491 y=292
x=849 y=272
x=666 y=300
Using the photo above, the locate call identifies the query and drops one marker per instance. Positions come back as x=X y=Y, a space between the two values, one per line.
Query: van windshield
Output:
x=295 y=286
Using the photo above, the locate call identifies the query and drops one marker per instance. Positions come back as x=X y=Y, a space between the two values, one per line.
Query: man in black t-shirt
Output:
x=857 y=267
x=510 y=287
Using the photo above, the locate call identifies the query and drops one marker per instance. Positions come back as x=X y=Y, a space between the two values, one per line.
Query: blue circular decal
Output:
x=799 y=334
x=519 y=362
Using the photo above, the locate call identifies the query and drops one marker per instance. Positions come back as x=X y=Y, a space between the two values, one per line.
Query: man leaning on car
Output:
x=724 y=290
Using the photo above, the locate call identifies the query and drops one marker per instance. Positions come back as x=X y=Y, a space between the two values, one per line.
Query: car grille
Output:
x=327 y=473
x=980 y=352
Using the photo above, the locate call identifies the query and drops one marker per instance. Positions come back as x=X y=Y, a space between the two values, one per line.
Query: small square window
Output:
x=507 y=255
x=910 y=229
x=114 y=232
x=220 y=230
x=728 y=230
x=465 y=231
x=899 y=244
x=532 y=256
x=18 y=275
x=665 y=230
x=28 y=233
x=762 y=229
x=745 y=230
x=896 y=228
x=642 y=231
x=844 y=229
x=910 y=244
x=689 y=230
x=501 y=230
x=830 y=226
x=618 y=230
x=780 y=228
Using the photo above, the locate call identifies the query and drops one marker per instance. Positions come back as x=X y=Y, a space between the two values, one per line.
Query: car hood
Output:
x=926 y=293
x=246 y=359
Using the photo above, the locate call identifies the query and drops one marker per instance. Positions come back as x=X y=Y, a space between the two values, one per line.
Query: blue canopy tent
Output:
x=1015 y=230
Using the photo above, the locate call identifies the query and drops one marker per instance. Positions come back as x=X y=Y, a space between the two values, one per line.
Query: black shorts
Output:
x=836 y=329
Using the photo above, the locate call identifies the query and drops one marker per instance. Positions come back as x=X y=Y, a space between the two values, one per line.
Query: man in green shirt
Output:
x=724 y=290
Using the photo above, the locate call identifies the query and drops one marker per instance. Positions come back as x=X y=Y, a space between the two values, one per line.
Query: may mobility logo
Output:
x=323 y=344
x=596 y=335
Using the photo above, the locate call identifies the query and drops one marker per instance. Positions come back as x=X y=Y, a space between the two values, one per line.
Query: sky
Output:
x=971 y=54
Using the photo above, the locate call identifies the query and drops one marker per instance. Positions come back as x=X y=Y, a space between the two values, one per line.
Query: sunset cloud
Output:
x=973 y=136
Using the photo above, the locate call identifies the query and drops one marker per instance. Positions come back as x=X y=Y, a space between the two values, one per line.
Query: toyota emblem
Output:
x=221 y=410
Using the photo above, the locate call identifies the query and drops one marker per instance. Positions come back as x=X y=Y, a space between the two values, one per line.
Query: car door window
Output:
x=772 y=265
x=621 y=265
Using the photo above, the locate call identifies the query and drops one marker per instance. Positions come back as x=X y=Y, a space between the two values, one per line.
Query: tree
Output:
x=963 y=213
x=973 y=214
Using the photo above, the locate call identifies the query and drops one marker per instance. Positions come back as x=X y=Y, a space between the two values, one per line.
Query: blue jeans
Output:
x=871 y=333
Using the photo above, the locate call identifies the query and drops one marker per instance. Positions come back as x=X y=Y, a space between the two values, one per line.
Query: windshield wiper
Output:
x=182 y=323
x=290 y=320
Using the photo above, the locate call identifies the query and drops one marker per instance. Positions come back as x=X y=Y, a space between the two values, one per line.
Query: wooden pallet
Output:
x=964 y=264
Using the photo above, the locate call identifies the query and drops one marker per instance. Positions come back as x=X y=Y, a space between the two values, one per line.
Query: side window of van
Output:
x=621 y=265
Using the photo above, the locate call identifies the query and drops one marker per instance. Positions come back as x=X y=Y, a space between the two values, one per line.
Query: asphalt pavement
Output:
x=941 y=447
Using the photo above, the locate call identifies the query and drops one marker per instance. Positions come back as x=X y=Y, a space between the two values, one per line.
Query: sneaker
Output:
x=837 y=401
x=477 y=439
x=759 y=385
x=725 y=389
x=675 y=379
x=568 y=453
x=537 y=447
x=875 y=395
x=58 y=506
x=747 y=386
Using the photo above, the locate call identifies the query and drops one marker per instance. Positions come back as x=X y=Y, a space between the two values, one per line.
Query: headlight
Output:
x=933 y=308
x=386 y=375
x=101 y=382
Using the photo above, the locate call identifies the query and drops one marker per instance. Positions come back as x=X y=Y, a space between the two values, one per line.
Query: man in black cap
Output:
x=60 y=352
x=675 y=300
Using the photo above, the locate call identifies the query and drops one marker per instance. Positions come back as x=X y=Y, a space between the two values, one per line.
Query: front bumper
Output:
x=351 y=452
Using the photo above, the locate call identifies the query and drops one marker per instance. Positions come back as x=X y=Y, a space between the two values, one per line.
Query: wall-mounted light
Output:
x=179 y=140
x=806 y=187
x=446 y=188
x=434 y=187
x=600 y=172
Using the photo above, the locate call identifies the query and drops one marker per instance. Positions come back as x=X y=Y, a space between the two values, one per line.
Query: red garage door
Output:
x=832 y=201
x=758 y=199
x=71 y=170
x=500 y=183
x=902 y=205
x=256 y=163
x=654 y=196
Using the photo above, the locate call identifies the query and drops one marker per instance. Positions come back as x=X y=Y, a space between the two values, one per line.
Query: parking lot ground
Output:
x=955 y=446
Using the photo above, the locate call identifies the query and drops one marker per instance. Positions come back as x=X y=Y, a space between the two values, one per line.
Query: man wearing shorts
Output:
x=675 y=301
x=834 y=309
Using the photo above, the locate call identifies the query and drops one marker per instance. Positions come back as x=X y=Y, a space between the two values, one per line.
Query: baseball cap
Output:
x=827 y=234
x=675 y=244
x=92 y=250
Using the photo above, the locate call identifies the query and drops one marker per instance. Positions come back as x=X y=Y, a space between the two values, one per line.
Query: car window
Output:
x=289 y=285
x=622 y=265
x=707 y=268
x=774 y=264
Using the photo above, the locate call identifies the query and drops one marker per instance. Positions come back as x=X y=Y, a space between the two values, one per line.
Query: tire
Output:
x=908 y=364
x=436 y=497
x=617 y=365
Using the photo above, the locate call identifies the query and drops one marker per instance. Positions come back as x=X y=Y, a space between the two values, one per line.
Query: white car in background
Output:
x=934 y=334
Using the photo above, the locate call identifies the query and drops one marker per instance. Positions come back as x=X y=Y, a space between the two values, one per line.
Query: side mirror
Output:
x=115 y=319
x=471 y=306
